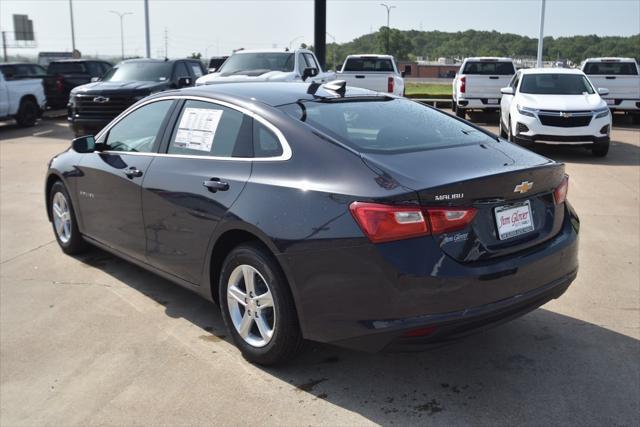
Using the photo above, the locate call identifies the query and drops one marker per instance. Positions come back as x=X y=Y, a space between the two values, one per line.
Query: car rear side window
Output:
x=611 y=68
x=67 y=68
x=137 y=132
x=265 y=142
x=493 y=68
x=386 y=125
x=368 y=64
x=208 y=129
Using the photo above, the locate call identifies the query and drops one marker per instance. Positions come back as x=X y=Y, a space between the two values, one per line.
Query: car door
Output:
x=109 y=190
x=189 y=189
x=507 y=100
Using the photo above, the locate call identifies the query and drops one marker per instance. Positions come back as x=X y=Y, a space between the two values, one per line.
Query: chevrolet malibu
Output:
x=323 y=213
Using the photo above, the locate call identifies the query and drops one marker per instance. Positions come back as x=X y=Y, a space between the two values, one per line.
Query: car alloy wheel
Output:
x=251 y=305
x=61 y=217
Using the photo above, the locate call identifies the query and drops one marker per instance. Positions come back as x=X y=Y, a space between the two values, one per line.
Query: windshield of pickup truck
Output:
x=495 y=68
x=369 y=64
x=385 y=125
x=556 y=84
x=140 y=71
x=611 y=68
x=273 y=61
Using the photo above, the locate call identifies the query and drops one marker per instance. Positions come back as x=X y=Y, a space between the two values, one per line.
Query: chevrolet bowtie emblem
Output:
x=523 y=187
x=566 y=115
x=100 y=99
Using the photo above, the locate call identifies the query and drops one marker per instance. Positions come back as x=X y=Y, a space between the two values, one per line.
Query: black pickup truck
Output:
x=94 y=105
x=64 y=75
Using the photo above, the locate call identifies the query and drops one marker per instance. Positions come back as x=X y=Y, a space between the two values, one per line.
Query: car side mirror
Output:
x=507 y=90
x=603 y=91
x=95 y=79
x=84 y=144
x=211 y=70
x=309 y=72
x=184 y=82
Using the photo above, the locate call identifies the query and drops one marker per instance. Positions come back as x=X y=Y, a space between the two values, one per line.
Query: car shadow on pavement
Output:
x=544 y=368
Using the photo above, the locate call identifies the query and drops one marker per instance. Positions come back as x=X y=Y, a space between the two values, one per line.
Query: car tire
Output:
x=600 y=149
x=28 y=113
x=510 y=136
x=501 y=131
x=267 y=332
x=635 y=118
x=63 y=220
x=460 y=112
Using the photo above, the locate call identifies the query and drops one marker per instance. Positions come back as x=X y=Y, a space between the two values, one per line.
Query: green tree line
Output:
x=407 y=45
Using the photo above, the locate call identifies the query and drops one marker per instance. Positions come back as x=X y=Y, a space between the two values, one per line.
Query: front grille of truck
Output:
x=565 y=119
x=86 y=107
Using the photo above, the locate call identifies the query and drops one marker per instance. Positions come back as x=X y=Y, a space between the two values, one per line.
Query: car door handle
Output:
x=494 y=77
x=133 y=172
x=214 y=184
x=610 y=77
x=359 y=76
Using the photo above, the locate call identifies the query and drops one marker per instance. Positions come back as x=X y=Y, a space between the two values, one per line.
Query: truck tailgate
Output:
x=620 y=87
x=369 y=80
x=482 y=86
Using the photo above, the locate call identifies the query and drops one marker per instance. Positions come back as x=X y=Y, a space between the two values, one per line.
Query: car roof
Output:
x=550 y=71
x=369 y=55
x=19 y=63
x=76 y=60
x=270 y=93
x=155 y=60
x=272 y=50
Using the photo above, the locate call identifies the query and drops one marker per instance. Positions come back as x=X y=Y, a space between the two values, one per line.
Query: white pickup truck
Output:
x=621 y=77
x=273 y=65
x=21 y=98
x=373 y=72
x=478 y=82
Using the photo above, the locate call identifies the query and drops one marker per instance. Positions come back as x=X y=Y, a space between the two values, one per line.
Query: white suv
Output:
x=555 y=106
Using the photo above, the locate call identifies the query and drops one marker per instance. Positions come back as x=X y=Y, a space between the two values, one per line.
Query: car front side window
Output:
x=138 y=131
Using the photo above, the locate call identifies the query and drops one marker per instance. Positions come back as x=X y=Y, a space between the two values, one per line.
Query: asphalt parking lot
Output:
x=94 y=340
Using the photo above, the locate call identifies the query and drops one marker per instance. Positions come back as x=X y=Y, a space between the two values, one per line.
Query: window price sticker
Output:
x=197 y=129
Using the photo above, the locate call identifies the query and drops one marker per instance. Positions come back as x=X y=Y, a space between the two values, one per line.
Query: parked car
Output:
x=21 y=96
x=66 y=74
x=555 y=106
x=321 y=212
x=94 y=105
x=478 y=82
x=621 y=77
x=216 y=62
x=273 y=65
x=374 y=72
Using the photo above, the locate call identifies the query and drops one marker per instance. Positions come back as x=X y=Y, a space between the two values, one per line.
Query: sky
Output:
x=216 y=27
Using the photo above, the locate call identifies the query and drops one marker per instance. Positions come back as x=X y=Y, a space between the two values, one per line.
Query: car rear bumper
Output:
x=479 y=103
x=369 y=297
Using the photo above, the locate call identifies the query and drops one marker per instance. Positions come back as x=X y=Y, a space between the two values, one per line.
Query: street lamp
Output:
x=294 y=39
x=386 y=6
x=334 y=51
x=121 y=15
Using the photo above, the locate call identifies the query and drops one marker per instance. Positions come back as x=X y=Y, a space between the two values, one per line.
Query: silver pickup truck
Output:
x=373 y=72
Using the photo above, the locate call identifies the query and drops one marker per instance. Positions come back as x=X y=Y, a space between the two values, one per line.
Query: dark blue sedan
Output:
x=321 y=212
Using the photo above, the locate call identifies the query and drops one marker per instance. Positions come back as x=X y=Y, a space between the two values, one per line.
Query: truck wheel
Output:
x=460 y=112
x=27 y=113
x=600 y=149
x=453 y=105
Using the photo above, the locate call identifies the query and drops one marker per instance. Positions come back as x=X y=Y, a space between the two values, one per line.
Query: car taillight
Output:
x=386 y=223
x=463 y=84
x=59 y=86
x=560 y=193
x=444 y=220
x=390 y=84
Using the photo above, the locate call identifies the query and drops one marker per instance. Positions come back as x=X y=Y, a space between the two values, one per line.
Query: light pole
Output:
x=386 y=6
x=146 y=28
x=294 y=39
x=541 y=36
x=121 y=15
x=334 y=51
x=73 y=35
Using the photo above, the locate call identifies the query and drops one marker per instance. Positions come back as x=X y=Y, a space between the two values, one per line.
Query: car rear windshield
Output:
x=368 y=64
x=385 y=125
x=611 y=68
x=270 y=61
x=67 y=68
x=556 y=84
x=140 y=71
x=493 y=68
